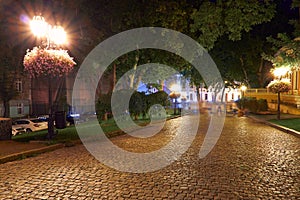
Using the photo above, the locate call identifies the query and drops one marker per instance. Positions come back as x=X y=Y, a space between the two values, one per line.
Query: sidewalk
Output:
x=11 y=150
x=265 y=119
x=268 y=117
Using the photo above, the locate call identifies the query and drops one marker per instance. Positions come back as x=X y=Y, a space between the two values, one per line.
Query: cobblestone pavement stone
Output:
x=250 y=161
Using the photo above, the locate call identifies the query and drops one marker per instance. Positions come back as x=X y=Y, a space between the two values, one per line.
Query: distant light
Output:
x=281 y=71
x=75 y=115
x=175 y=88
x=58 y=35
x=243 y=88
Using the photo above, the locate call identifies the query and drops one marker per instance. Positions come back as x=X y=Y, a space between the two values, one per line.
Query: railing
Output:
x=257 y=90
x=265 y=90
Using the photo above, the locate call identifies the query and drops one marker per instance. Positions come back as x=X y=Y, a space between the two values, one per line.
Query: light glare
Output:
x=38 y=26
x=58 y=35
x=175 y=88
x=281 y=71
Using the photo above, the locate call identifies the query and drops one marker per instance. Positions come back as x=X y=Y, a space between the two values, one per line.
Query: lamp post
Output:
x=48 y=59
x=175 y=94
x=279 y=84
x=243 y=89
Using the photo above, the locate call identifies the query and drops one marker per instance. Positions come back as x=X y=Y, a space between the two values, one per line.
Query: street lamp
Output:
x=50 y=38
x=280 y=72
x=243 y=88
x=279 y=84
x=55 y=35
x=175 y=94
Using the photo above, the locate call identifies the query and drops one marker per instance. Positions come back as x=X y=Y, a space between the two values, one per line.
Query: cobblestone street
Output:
x=250 y=161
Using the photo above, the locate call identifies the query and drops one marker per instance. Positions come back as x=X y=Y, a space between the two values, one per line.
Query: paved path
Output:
x=250 y=161
x=9 y=147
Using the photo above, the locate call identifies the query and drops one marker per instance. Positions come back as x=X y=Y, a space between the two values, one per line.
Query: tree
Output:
x=213 y=19
x=219 y=26
x=205 y=21
x=285 y=49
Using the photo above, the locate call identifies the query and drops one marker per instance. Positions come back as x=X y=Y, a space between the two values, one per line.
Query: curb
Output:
x=281 y=128
x=29 y=153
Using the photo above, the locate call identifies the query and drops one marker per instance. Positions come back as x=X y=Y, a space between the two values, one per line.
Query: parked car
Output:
x=72 y=118
x=30 y=125
x=17 y=130
x=44 y=118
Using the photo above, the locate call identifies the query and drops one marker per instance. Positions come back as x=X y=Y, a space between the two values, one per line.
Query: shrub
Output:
x=103 y=105
x=262 y=105
x=252 y=104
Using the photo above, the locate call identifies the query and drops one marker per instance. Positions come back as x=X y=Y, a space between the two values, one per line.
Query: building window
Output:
x=20 y=108
x=19 y=86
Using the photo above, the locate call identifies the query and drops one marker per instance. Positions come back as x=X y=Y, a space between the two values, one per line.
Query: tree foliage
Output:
x=286 y=45
x=288 y=52
x=214 y=19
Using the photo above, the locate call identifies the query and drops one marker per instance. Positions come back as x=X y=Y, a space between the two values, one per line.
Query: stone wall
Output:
x=284 y=108
x=5 y=128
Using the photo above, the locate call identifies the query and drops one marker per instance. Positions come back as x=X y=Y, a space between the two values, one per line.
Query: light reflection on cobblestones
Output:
x=250 y=161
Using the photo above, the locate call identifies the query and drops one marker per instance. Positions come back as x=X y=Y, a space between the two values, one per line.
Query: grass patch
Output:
x=69 y=134
x=289 y=123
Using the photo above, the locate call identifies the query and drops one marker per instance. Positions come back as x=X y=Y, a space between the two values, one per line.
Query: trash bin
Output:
x=60 y=119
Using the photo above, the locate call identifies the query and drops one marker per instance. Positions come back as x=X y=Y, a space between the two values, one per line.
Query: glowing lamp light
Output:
x=38 y=26
x=175 y=88
x=41 y=28
x=243 y=88
x=58 y=35
x=282 y=71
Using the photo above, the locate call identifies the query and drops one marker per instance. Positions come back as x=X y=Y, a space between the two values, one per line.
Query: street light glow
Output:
x=58 y=35
x=38 y=26
x=175 y=88
x=41 y=28
x=281 y=71
x=243 y=88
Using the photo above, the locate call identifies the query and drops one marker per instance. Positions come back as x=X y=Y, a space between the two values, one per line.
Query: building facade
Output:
x=20 y=105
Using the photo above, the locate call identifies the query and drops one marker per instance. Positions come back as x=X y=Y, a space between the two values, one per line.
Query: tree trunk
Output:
x=260 y=73
x=132 y=76
x=245 y=72
x=278 y=106
x=6 y=113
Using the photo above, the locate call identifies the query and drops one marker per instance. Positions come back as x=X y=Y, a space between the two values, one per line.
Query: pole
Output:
x=50 y=120
x=175 y=106
x=278 y=106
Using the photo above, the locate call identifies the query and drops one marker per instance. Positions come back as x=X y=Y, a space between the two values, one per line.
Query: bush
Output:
x=103 y=105
x=252 y=104
x=136 y=104
x=139 y=102
x=262 y=105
